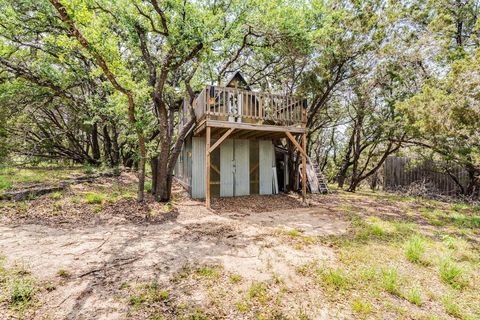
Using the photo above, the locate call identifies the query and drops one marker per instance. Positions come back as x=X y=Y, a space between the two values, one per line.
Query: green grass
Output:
x=94 y=198
x=17 y=288
x=451 y=308
x=235 y=278
x=362 y=307
x=389 y=281
x=465 y=221
x=62 y=273
x=208 y=272
x=414 y=296
x=22 y=291
x=148 y=294
x=11 y=177
x=333 y=278
x=294 y=233
x=451 y=273
x=5 y=184
x=242 y=307
x=414 y=249
x=258 y=291
x=56 y=195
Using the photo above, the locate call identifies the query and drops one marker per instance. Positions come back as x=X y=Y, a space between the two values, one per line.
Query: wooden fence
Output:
x=402 y=172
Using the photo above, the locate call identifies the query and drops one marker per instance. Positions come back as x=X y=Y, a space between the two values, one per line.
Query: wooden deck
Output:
x=243 y=106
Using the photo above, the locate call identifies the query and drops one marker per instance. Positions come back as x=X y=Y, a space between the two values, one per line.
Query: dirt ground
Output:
x=100 y=256
x=95 y=256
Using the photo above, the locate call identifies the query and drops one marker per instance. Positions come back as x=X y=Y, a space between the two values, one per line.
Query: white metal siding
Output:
x=198 y=167
x=226 y=168
x=266 y=158
x=242 y=167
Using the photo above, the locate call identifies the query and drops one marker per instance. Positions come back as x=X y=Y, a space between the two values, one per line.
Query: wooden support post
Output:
x=223 y=137
x=304 y=166
x=300 y=149
x=207 y=172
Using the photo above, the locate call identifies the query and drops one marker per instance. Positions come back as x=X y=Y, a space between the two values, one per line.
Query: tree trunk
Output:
x=95 y=144
x=342 y=173
x=473 y=184
x=115 y=146
x=107 y=146
x=154 y=166
x=163 y=191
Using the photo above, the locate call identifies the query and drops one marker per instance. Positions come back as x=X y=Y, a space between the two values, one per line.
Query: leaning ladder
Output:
x=316 y=180
x=322 y=182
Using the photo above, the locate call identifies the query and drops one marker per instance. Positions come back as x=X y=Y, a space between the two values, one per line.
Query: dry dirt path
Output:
x=101 y=257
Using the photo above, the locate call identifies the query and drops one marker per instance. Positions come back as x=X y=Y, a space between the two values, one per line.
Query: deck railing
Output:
x=236 y=105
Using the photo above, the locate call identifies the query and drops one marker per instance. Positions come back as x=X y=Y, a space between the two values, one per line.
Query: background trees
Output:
x=101 y=83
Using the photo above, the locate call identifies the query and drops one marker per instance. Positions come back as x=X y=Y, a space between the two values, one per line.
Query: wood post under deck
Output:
x=303 y=151
x=304 y=166
x=207 y=164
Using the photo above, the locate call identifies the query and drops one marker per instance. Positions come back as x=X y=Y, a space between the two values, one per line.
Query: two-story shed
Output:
x=231 y=149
